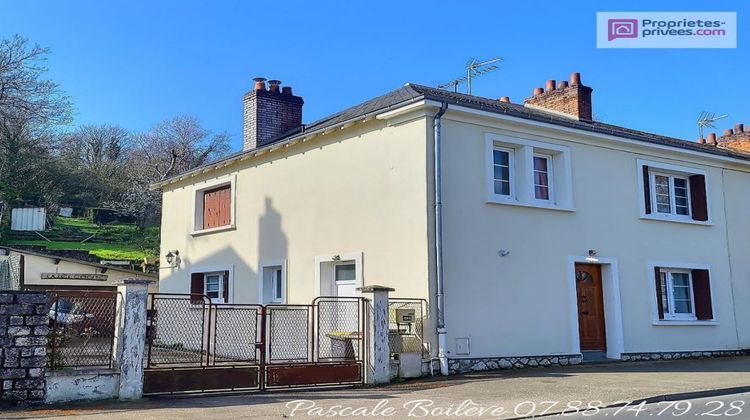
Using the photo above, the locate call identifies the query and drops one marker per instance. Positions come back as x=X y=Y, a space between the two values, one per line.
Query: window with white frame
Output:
x=673 y=193
x=677 y=294
x=502 y=166
x=683 y=294
x=670 y=194
x=212 y=284
x=542 y=177
x=274 y=287
x=528 y=173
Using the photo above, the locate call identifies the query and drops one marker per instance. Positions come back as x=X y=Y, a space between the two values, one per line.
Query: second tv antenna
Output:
x=474 y=68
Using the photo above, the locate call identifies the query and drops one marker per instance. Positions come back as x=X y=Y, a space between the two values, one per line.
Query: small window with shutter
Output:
x=213 y=207
x=673 y=193
x=214 y=286
x=683 y=294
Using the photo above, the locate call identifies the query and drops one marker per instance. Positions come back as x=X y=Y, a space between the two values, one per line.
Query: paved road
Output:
x=510 y=394
x=727 y=406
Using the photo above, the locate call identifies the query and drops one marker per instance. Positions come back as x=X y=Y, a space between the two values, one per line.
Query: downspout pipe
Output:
x=440 y=295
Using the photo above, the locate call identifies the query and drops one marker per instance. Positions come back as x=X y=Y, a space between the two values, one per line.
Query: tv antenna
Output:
x=474 y=68
x=707 y=119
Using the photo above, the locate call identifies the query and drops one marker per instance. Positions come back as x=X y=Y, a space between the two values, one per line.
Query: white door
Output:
x=344 y=279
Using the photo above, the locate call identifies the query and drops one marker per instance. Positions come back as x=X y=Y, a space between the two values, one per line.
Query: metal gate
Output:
x=194 y=345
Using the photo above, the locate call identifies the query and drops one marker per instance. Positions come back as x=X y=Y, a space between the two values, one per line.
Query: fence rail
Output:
x=82 y=328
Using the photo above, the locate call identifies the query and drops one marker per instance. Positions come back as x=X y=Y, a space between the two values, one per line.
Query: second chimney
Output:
x=269 y=113
x=572 y=99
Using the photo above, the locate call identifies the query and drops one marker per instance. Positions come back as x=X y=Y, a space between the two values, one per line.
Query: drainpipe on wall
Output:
x=441 y=331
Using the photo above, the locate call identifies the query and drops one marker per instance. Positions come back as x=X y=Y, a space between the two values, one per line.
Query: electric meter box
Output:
x=405 y=316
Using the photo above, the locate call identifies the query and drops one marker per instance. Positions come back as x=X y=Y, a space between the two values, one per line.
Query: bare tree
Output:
x=23 y=93
x=171 y=147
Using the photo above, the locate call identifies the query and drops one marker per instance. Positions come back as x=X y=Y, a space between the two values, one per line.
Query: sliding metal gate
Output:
x=194 y=345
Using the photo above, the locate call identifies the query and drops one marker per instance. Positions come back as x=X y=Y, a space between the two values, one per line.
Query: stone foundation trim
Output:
x=515 y=362
x=674 y=355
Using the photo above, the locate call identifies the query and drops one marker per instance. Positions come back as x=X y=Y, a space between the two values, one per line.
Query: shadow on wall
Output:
x=273 y=247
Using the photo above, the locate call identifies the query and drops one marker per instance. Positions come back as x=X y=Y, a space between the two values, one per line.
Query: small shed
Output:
x=28 y=219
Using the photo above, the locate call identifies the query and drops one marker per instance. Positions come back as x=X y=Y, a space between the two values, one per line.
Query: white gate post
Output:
x=130 y=336
x=379 y=363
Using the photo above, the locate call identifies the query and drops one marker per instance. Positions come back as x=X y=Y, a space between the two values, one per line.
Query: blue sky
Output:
x=134 y=63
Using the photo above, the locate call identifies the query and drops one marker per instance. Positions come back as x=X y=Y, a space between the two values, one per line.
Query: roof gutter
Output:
x=440 y=295
x=303 y=136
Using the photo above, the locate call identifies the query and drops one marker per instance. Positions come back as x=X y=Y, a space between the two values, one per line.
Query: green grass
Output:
x=101 y=250
x=110 y=242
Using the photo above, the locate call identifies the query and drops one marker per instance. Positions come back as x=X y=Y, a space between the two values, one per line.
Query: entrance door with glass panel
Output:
x=344 y=279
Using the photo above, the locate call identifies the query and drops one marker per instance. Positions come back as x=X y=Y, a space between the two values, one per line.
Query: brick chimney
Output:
x=737 y=139
x=568 y=98
x=269 y=113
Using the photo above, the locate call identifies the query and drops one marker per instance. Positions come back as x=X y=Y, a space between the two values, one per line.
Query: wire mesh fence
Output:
x=236 y=333
x=177 y=330
x=340 y=328
x=406 y=330
x=82 y=329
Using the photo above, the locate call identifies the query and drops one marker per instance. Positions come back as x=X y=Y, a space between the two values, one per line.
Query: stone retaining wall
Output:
x=673 y=355
x=24 y=326
x=493 y=363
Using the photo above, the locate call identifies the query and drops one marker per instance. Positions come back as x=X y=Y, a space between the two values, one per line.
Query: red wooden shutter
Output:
x=702 y=295
x=226 y=287
x=659 y=302
x=646 y=190
x=196 y=287
x=217 y=207
x=698 y=201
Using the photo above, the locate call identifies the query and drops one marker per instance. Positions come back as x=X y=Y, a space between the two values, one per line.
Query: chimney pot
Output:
x=273 y=85
x=739 y=128
x=550 y=85
x=260 y=83
x=538 y=91
x=563 y=84
x=505 y=99
x=728 y=132
x=701 y=141
x=712 y=139
x=267 y=116
x=575 y=78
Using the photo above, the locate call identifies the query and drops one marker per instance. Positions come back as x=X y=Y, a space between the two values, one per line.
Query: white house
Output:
x=537 y=234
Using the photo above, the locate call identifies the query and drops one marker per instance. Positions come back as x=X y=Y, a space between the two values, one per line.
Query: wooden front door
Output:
x=590 y=307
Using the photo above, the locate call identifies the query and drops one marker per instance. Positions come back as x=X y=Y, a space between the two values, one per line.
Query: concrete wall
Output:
x=81 y=385
x=359 y=192
x=524 y=303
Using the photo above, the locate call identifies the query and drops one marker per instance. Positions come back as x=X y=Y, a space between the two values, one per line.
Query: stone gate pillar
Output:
x=379 y=352
x=130 y=336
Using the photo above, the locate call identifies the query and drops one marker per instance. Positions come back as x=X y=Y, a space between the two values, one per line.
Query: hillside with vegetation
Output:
x=116 y=241
x=46 y=161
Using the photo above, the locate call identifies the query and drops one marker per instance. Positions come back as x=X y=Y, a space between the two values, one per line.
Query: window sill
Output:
x=677 y=322
x=675 y=220
x=212 y=230
x=534 y=204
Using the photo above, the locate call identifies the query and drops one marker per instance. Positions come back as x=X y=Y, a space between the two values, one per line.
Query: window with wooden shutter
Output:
x=196 y=288
x=698 y=200
x=683 y=294
x=702 y=293
x=673 y=193
x=217 y=205
x=647 y=189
